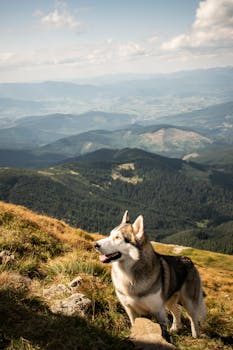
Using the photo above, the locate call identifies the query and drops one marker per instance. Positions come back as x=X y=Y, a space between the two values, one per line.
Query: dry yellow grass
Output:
x=58 y=253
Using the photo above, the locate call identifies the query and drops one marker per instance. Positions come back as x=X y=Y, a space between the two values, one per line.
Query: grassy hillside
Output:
x=48 y=252
x=93 y=190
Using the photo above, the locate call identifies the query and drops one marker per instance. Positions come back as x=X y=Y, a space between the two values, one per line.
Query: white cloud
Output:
x=60 y=17
x=211 y=30
x=60 y=20
x=102 y=52
x=153 y=39
x=131 y=50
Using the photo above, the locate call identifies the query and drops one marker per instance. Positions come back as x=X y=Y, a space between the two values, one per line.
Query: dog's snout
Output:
x=97 y=245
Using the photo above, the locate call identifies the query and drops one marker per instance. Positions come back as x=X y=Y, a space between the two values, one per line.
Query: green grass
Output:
x=210 y=259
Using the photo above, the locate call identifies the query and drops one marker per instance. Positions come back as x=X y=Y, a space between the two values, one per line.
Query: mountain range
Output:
x=214 y=121
x=42 y=141
x=31 y=132
x=87 y=152
x=147 y=97
x=181 y=201
x=161 y=139
x=195 y=82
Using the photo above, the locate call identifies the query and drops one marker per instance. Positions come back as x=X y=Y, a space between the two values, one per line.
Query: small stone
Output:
x=75 y=304
x=147 y=335
x=6 y=257
x=76 y=282
x=56 y=291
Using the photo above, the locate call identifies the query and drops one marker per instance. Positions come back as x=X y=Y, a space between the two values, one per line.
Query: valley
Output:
x=143 y=96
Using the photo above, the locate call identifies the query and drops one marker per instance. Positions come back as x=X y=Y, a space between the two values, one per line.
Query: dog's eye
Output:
x=127 y=240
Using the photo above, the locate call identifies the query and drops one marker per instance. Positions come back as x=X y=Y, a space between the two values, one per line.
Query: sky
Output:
x=44 y=40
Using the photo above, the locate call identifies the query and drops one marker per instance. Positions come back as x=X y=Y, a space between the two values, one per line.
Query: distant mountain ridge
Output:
x=161 y=139
x=146 y=96
x=31 y=132
x=45 y=90
x=67 y=135
x=194 y=82
x=214 y=121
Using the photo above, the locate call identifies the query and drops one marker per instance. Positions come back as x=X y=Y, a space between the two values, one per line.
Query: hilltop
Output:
x=183 y=202
x=48 y=252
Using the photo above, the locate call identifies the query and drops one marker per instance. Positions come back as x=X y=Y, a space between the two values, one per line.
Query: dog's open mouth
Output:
x=110 y=257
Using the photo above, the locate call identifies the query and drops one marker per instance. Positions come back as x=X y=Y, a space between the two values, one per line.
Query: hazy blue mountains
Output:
x=215 y=121
x=31 y=132
x=59 y=136
x=146 y=97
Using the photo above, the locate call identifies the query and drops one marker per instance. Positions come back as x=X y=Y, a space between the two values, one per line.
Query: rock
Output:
x=147 y=335
x=55 y=291
x=178 y=249
x=76 y=304
x=76 y=282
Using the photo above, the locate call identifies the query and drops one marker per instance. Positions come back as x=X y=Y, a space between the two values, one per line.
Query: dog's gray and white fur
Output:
x=148 y=282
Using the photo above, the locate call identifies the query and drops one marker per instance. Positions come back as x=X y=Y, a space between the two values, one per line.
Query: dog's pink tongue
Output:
x=103 y=258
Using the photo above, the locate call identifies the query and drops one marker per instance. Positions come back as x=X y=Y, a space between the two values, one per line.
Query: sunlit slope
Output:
x=49 y=252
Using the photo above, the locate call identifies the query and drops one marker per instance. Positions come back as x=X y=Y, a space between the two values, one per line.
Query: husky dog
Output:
x=148 y=282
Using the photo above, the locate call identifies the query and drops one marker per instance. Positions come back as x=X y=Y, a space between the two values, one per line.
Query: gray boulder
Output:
x=56 y=291
x=75 y=304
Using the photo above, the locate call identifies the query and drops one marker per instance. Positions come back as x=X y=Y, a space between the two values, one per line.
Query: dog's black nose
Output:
x=97 y=245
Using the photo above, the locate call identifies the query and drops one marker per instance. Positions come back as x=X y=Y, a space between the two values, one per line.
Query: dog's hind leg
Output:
x=191 y=297
x=194 y=323
x=192 y=310
x=174 y=308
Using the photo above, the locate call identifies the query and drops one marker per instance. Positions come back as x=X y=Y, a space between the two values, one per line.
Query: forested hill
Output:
x=184 y=203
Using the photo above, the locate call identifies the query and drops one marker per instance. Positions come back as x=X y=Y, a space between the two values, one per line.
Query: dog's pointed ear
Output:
x=138 y=227
x=125 y=218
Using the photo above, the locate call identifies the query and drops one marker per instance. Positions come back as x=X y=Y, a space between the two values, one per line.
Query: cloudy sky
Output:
x=76 y=39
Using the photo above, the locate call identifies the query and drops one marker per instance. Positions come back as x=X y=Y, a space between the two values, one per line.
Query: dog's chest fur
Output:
x=133 y=295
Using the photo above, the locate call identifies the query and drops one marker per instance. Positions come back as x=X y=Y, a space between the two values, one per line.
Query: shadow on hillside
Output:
x=27 y=317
